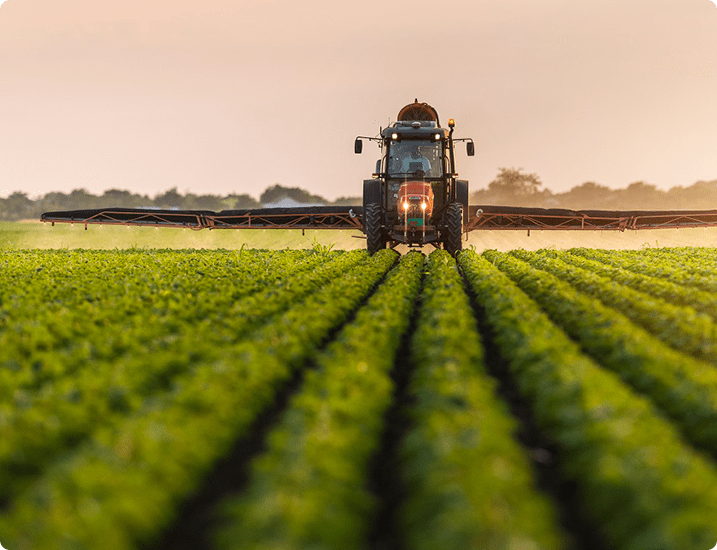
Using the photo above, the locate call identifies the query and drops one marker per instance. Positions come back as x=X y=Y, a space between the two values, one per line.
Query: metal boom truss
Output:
x=481 y=217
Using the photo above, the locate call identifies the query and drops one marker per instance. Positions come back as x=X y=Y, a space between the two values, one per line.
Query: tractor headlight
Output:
x=405 y=206
x=394 y=136
x=423 y=206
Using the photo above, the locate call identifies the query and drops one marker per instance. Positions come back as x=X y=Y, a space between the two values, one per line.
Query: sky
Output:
x=227 y=96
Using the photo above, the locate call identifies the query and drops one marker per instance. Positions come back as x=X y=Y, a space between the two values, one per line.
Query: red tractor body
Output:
x=415 y=203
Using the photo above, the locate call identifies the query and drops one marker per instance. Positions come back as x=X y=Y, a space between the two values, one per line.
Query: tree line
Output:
x=511 y=187
x=514 y=187
x=19 y=206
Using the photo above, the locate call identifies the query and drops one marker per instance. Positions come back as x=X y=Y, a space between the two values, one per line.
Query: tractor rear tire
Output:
x=453 y=228
x=375 y=240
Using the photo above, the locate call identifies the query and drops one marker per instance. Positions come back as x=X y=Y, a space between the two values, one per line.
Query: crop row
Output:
x=680 y=327
x=701 y=261
x=469 y=484
x=123 y=486
x=39 y=424
x=663 y=267
x=679 y=295
x=309 y=488
x=638 y=480
x=74 y=308
x=684 y=388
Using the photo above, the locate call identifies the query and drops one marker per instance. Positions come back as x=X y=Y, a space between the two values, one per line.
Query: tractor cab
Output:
x=412 y=155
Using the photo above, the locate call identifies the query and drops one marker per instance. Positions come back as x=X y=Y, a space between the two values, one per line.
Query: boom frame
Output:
x=480 y=218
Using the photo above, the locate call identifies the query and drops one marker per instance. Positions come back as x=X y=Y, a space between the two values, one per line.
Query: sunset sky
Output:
x=225 y=96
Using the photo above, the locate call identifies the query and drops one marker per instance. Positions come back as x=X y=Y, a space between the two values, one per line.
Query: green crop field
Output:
x=327 y=399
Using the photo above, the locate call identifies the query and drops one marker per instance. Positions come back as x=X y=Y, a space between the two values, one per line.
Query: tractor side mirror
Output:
x=470 y=148
x=358 y=146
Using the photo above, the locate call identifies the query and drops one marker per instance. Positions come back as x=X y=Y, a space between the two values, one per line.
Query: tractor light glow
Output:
x=437 y=137
x=423 y=206
x=394 y=136
x=405 y=206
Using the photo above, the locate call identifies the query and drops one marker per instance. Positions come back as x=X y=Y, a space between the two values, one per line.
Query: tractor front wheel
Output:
x=375 y=240
x=453 y=228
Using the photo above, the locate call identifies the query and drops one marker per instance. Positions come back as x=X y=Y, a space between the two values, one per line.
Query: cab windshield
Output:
x=415 y=158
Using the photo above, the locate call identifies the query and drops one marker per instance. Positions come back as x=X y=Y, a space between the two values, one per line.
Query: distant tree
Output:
x=82 y=199
x=347 y=201
x=169 y=199
x=55 y=200
x=202 y=202
x=18 y=206
x=124 y=199
x=239 y=202
x=586 y=196
x=589 y=190
x=512 y=182
x=512 y=187
x=698 y=196
x=641 y=196
x=277 y=192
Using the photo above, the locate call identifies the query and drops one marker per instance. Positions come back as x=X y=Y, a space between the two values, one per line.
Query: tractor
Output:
x=415 y=197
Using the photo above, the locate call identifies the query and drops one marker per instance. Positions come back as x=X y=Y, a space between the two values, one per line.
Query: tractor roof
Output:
x=415 y=130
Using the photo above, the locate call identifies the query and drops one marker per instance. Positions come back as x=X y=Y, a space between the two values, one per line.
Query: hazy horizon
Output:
x=223 y=97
